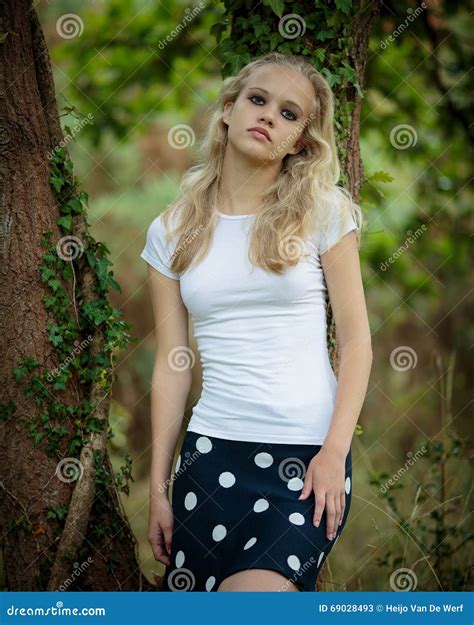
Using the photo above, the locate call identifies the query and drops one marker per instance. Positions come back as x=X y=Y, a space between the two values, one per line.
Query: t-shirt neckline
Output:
x=224 y=216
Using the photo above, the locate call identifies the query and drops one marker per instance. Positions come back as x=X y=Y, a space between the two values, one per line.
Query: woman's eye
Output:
x=293 y=118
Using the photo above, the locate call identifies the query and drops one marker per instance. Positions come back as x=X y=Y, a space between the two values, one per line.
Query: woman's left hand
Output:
x=325 y=476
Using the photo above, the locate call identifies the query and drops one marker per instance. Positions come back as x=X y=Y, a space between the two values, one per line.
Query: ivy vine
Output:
x=64 y=429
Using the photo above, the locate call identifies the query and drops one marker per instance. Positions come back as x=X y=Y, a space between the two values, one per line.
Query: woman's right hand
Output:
x=160 y=527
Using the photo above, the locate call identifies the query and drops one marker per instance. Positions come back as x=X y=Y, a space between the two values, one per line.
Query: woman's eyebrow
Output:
x=286 y=101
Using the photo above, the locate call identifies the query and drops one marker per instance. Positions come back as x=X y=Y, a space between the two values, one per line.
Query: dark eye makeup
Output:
x=261 y=98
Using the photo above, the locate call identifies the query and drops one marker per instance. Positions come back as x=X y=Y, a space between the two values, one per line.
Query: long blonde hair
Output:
x=304 y=195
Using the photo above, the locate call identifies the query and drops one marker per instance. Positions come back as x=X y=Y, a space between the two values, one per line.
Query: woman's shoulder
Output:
x=335 y=216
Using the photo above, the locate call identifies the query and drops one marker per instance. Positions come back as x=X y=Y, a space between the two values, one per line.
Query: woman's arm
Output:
x=325 y=474
x=341 y=268
x=170 y=382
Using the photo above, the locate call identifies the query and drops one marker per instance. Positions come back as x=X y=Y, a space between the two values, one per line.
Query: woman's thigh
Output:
x=257 y=580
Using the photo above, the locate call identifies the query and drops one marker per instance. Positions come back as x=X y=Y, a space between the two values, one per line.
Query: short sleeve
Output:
x=337 y=228
x=156 y=251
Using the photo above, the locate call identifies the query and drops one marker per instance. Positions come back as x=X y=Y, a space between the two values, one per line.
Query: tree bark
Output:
x=30 y=129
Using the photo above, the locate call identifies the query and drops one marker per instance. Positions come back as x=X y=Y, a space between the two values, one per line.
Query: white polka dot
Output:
x=203 y=444
x=348 y=484
x=296 y=518
x=179 y=561
x=250 y=543
x=178 y=463
x=321 y=555
x=190 y=501
x=294 y=562
x=263 y=460
x=260 y=505
x=296 y=483
x=219 y=532
x=226 y=479
x=210 y=583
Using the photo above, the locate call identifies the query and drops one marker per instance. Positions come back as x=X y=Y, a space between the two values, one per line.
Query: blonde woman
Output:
x=263 y=482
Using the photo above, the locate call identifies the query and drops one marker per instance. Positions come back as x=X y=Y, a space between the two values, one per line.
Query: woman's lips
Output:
x=259 y=135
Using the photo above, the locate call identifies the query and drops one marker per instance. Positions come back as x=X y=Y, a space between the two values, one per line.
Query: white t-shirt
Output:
x=261 y=337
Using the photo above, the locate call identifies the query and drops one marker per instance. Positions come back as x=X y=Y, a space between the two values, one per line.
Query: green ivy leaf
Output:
x=380 y=176
x=37 y=438
x=277 y=7
x=217 y=30
x=114 y=284
x=320 y=54
x=91 y=259
x=74 y=205
x=344 y=6
x=65 y=222
x=54 y=285
x=57 y=183
x=275 y=39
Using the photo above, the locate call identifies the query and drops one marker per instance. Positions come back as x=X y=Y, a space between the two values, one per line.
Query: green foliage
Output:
x=7 y=410
x=432 y=538
x=60 y=513
x=138 y=64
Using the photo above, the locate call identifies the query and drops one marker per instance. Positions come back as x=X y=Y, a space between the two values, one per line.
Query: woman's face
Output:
x=278 y=100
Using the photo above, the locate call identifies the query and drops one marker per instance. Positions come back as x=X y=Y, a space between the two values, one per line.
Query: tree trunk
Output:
x=30 y=486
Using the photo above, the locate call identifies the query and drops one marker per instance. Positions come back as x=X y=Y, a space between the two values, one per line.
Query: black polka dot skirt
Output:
x=235 y=507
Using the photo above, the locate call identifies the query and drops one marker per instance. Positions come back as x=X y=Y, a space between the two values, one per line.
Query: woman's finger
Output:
x=337 y=506
x=168 y=534
x=307 y=486
x=319 y=502
x=343 y=506
x=330 y=515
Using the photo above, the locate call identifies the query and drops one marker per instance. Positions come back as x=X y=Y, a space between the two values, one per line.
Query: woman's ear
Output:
x=226 y=113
